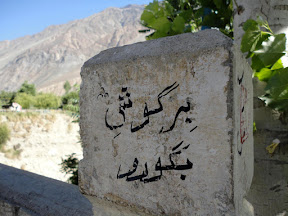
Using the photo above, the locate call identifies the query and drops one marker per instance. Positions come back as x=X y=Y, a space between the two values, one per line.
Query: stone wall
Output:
x=166 y=125
x=26 y=194
x=23 y=193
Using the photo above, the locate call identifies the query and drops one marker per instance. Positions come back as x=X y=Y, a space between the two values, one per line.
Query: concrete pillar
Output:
x=269 y=194
x=166 y=126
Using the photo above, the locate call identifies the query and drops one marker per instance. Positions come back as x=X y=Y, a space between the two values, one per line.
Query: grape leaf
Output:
x=178 y=25
x=277 y=86
x=272 y=49
x=251 y=37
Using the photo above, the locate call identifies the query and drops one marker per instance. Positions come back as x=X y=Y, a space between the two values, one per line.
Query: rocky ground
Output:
x=39 y=141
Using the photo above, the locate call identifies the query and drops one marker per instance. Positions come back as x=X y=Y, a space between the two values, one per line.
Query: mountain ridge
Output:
x=56 y=54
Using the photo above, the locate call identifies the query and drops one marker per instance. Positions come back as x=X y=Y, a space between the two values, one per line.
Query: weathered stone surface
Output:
x=106 y=208
x=167 y=125
x=6 y=209
x=26 y=194
x=269 y=189
x=243 y=152
x=31 y=194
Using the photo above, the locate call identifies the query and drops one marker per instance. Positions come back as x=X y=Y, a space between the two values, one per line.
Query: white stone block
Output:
x=167 y=125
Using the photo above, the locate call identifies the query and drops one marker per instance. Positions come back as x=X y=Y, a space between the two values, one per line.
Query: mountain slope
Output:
x=56 y=54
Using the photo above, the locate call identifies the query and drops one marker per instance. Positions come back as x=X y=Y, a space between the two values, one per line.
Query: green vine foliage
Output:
x=265 y=50
x=172 y=17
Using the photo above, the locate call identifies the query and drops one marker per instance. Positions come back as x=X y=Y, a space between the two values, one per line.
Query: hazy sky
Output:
x=26 y=17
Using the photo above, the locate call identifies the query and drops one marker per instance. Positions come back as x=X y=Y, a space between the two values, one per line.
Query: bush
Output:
x=70 y=101
x=40 y=101
x=72 y=108
x=25 y=100
x=47 y=101
x=67 y=87
x=70 y=166
x=4 y=134
x=71 y=98
x=6 y=98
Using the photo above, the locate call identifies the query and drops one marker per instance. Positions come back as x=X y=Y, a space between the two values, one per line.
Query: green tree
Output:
x=70 y=101
x=67 y=87
x=27 y=88
x=6 y=98
x=27 y=101
x=171 y=17
x=47 y=101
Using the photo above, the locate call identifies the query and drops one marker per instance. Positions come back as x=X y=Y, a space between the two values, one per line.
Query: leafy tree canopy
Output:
x=172 y=17
x=27 y=101
x=47 y=101
x=27 y=88
x=67 y=87
x=6 y=98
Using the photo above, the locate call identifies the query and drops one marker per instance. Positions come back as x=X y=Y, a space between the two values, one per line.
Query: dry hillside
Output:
x=56 y=54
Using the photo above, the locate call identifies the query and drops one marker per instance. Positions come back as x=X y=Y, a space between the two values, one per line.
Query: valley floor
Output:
x=39 y=142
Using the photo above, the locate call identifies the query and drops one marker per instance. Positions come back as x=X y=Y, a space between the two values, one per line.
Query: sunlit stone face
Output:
x=157 y=124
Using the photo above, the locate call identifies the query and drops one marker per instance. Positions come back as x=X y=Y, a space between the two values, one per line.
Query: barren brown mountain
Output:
x=56 y=54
